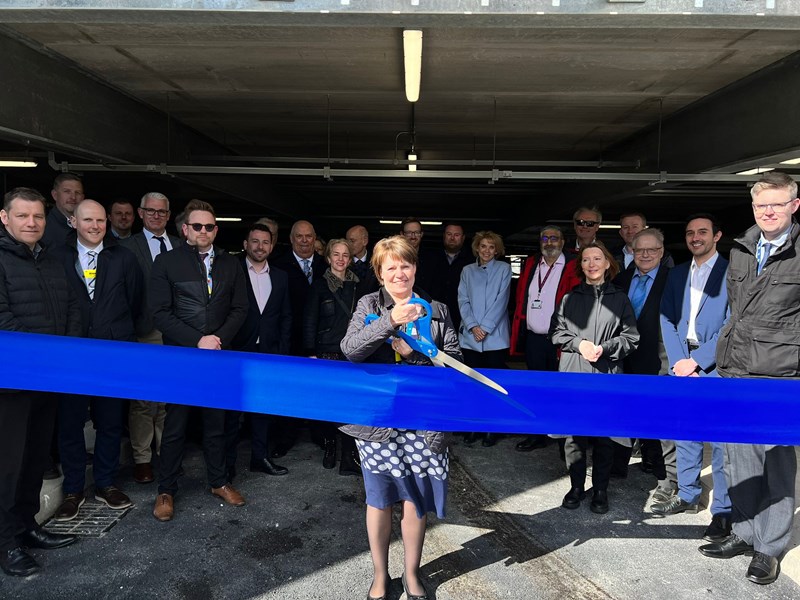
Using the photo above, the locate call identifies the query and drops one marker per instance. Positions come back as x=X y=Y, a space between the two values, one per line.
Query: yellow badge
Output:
x=89 y=273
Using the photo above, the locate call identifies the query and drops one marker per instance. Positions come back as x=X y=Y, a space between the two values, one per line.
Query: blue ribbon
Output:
x=763 y=411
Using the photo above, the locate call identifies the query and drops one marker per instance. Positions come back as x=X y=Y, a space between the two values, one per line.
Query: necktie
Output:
x=307 y=270
x=206 y=273
x=163 y=244
x=91 y=277
x=765 y=248
x=639 y=295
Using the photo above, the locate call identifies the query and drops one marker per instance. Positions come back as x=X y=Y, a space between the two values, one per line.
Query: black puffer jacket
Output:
x=325 y=317
x=34 y=294
x=368 y=344
x=762 y=336
x=183 y=310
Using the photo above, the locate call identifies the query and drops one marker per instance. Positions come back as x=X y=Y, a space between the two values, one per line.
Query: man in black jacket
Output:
x=198 y=297
x=108 y=284
x=443 y=269
x=267 y=329
x=35 y=298
x=67 y=193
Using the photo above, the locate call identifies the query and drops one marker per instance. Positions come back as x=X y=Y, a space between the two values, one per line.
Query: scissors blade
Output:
x=444 y=359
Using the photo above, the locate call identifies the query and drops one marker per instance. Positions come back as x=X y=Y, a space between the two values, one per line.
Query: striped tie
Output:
x=307 y=270
x=91 y=278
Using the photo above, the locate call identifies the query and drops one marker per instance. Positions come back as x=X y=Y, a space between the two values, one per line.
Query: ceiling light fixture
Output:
x=791 y=161
x=19 y=163
x=229 y=219
x=412 y=157
x=756 y=171
x=412 y=59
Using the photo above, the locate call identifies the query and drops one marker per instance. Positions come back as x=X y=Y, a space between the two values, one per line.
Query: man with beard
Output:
x=544 y=280
x=443 y=268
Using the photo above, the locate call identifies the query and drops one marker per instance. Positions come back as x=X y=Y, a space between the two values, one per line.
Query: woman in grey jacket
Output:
x=595 y=328
x=399 y=465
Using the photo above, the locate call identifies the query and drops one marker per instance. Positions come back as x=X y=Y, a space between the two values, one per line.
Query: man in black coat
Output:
x=644 y=284
x=198 y=297
x=108 y=284
x=67 y=193
x=358 y=238
x=267 y=329
x=34 y=298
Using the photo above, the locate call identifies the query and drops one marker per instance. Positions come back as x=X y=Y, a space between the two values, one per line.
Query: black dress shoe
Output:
x=329 y=458
x=719 y=530
x=470 y=438
x=18 y=563
x=265 y=465
x=664 y=494
x=733 y=546
x=673 y=506
x=763 y=569
x=490 y=439
x=599 y=503
x=40 y=538
x=573 y=498
x=533 y=442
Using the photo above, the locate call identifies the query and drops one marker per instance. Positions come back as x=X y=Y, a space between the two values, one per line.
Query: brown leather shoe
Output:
x=69 y=507
x=163 y=509
x=143 y=473
x=112 y=497
x=228 y=493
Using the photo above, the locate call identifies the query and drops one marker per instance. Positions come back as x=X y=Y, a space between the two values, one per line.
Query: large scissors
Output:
x=424 y=345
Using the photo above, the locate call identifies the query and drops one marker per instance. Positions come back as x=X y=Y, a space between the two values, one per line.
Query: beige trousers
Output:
x=146 y=419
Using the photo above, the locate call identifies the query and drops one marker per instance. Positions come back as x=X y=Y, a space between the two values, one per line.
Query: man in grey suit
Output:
x=760 y=340
x=146 y=419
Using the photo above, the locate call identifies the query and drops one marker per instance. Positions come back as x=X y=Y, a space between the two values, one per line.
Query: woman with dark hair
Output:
x=409 y=467
x=331 y=302
x=595 y=328
x=483 y=294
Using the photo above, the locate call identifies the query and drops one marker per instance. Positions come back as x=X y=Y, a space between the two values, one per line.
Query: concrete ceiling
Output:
x=509 y=93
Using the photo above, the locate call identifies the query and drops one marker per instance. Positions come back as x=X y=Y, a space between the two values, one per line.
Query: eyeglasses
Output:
x=199 y=226
x=152 y=212
x=760 y=209
x=643 y=251
x=582 y=223
x=412 y=233
x=550 y=238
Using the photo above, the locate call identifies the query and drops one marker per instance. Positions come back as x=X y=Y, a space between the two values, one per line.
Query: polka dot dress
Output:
x=404 y=468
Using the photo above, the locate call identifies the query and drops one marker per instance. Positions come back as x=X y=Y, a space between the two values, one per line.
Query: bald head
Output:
x=358 y=238
x=89 y=221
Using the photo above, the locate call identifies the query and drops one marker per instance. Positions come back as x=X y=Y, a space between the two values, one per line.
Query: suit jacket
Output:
x=441 y=278
x=650 y=358
x=366 y=275
x=711 y=316
x=137 y=244
x=118 y=290
x=272 y=327
x=298 y=292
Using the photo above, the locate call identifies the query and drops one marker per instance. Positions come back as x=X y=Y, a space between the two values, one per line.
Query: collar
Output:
x=82 y=250
x=300 y=260
x=625 y=250
x=651 y=274
x=149 y=235
x=362 y=259
x=709 y=263
x=251 y=266
x=559 y=261
x=777 y=242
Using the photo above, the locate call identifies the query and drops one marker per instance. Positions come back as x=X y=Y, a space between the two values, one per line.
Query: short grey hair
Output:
x=652 y=231
x=593 y=209
x=154 y=196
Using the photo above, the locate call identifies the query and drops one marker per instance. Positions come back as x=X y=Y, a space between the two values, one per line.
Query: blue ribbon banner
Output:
x=763 y=411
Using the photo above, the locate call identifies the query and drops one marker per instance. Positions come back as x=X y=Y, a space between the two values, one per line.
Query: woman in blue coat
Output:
x=483 y=295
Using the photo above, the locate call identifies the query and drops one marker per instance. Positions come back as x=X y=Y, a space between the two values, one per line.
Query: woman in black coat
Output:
x=331 y=302
x=595 y=328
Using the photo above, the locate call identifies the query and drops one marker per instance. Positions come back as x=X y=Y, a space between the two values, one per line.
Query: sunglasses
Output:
x=582 y=223
x=199 y=226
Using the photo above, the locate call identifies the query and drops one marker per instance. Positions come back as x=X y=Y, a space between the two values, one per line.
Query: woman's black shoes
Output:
x=411 y=596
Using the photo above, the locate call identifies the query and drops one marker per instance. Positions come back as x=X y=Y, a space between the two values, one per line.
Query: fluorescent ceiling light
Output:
x=412 y=59
x=27 y=163
x=229 y=219
x=431 y=222
x=791 y=161
x=389 y=222
x=609 y=226
x=412 y=158
x=756 y=171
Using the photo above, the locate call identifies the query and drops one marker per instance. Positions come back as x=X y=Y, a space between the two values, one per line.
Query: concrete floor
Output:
x=302 y=537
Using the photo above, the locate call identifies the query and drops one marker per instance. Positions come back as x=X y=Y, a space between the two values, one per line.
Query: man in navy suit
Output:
x=267 y=329
x=645 y=284
x=694 y=308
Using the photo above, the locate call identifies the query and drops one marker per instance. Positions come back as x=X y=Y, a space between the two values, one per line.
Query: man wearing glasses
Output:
x=537 y=298
x=761 y=339
x=694 y=308
x=199 y=299
x=644 y=284
x=586 y=222
x=146 y=419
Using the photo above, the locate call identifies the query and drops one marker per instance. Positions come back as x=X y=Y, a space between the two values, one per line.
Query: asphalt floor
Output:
x=302 y=536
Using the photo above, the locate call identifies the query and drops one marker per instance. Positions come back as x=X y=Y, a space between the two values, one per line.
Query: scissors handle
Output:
x=423 y=325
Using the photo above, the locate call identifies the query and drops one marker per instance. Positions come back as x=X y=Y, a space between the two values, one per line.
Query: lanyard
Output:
x=539 y=273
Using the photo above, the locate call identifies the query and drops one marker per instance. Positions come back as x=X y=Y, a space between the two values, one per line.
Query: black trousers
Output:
x=27 y=420
x=173 y=441
x=490 y=359
x=540 y=353
x=651 y=453
x=575 y=450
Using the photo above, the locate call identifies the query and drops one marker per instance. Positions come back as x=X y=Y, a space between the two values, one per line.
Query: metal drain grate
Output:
x=93 y=520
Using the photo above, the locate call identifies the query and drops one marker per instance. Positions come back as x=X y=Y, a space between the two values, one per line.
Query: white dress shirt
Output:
x=698 y=276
